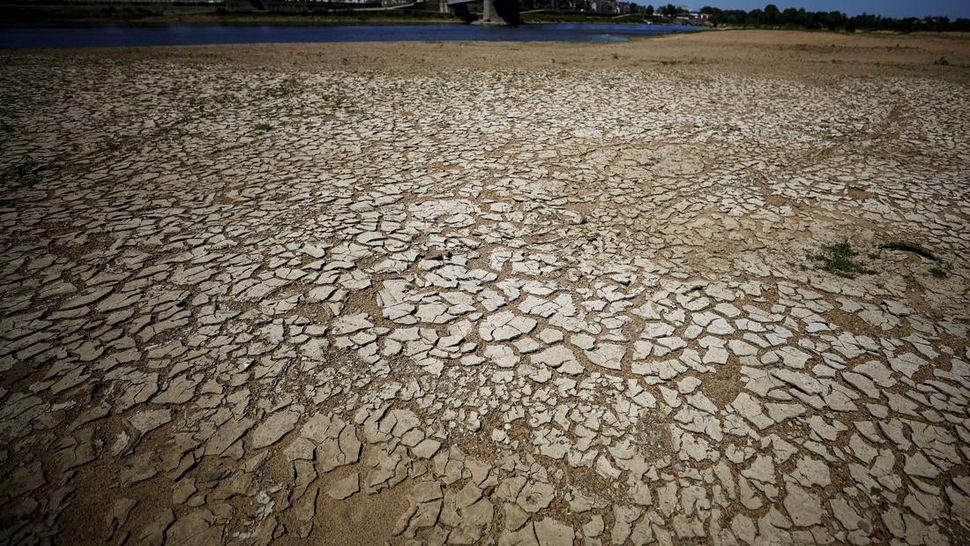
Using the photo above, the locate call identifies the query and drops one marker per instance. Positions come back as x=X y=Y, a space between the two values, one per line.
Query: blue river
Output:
x=16 y=37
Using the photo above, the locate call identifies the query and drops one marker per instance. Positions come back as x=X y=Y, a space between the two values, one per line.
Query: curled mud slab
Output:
x=344 y=295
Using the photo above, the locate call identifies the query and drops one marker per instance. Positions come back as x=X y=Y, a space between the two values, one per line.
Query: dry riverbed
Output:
x=695 y=289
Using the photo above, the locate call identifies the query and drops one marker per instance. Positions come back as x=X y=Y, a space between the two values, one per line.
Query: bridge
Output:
x=494 y=12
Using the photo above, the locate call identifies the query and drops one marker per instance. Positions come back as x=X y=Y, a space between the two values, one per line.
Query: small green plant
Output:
x=218 y=99
x=225 y=98
x=108 y=143
x=197 y=102
x=840 y=259
x=333 y=101
x=263 y=127
x=286 y=88
x=25 y=173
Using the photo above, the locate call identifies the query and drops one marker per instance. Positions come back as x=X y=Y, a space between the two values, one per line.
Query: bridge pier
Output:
x=494 y=12
x=490 y=15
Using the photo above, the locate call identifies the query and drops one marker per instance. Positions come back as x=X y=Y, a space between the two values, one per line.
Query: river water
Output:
x=13 y=37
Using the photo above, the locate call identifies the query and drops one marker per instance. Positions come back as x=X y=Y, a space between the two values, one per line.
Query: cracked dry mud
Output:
x=537 y=305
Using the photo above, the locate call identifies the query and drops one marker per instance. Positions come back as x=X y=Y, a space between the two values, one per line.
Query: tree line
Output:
x=771 y=16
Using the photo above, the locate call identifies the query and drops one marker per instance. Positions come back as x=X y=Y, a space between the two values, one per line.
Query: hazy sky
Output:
x=890 y=8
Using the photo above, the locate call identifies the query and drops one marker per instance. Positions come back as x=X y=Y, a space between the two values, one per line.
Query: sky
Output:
x=890 y=8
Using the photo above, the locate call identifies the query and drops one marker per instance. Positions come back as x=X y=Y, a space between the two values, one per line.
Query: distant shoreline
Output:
x=122 y=14
x=151 y=15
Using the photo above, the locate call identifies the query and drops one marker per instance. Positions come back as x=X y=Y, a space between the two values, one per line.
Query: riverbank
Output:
x=702 y=288
x=820 y=55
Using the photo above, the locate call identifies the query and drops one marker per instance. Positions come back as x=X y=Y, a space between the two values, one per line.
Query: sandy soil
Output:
x=804 y=54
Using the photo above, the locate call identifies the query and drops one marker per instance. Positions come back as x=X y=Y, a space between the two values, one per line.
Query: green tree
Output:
x=772 y=15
